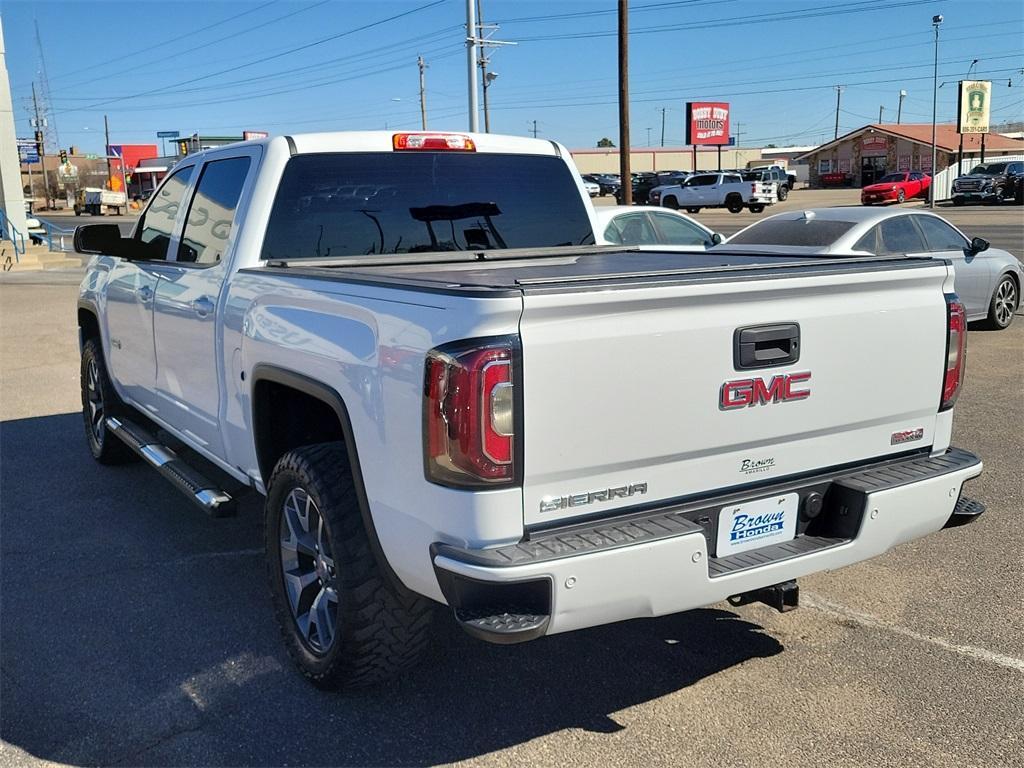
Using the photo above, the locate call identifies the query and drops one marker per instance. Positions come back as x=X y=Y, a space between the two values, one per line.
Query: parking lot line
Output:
x=873 y=622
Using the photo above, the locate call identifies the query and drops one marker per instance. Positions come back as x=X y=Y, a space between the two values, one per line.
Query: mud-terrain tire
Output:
x=357 y=629
x=99 y=400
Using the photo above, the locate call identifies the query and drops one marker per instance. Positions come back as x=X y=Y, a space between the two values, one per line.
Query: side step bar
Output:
x=201 y=491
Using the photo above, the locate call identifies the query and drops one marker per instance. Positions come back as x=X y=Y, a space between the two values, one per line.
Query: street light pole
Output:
x=936 y=21
x=899 y=109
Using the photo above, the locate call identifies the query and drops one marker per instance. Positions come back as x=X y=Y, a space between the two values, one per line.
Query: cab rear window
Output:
x=360 y=204
x=816 y=232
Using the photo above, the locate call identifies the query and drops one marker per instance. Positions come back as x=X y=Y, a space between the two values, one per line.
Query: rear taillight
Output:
x=454 y=142
x=470 y=414
x=956 y=350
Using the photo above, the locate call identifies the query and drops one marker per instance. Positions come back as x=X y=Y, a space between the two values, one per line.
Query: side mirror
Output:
x=100 y=238
x=717 y=239
x=979 y=244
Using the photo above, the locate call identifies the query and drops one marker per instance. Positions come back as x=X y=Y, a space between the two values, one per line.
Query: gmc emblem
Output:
x=782 y=388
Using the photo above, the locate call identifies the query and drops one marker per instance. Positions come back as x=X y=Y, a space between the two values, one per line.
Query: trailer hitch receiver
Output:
x=782 y=597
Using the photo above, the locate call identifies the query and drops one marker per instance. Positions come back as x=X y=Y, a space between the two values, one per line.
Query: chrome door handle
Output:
x=202 y=306
x=145 y=293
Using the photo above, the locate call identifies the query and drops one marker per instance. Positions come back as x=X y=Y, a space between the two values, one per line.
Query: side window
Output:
x=212 y=211
x=635 y=229
x=731 y=179
x=824 y=165
x=899 y=235
x=156 y=225
x=868 y=243
x=939 y=235
x=703 y=181
x=677 y=231
x=613 y=233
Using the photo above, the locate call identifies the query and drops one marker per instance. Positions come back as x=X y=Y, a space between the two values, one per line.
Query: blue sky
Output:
x=289 y=67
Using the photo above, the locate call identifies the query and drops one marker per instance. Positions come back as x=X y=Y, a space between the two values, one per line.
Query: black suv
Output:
x=991 y=183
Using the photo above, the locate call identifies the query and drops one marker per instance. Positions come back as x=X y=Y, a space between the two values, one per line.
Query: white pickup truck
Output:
x=448 y=396
x=720 y=190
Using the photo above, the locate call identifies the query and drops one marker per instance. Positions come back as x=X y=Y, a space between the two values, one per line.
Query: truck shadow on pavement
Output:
x=134 y=630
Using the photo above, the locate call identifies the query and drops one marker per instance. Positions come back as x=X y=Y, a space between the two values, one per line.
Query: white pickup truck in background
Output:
x=720 y=190
x=448 y=395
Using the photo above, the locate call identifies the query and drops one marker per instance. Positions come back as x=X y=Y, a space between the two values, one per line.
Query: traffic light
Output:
x=63 y=157
x=182 y=148
x=39 y=143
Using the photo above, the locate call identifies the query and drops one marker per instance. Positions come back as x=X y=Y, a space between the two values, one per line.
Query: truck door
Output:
x=189 y=355
x=131 y=287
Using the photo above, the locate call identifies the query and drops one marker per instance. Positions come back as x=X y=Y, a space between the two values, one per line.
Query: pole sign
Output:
x=27 y=151
x=707 y=123
x=973 y=107
x=168 y=134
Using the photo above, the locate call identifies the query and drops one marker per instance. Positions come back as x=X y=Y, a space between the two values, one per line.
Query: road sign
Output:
x=168 y=134
x=27 y=152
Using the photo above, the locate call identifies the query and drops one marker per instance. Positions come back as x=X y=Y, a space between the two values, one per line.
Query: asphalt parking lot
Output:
x=136 y=631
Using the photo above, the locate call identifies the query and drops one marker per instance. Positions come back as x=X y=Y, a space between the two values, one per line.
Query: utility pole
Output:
x=423 y=91
x=648 y=136
x=839 y=93
x=106 y=131
x=474 y=118
x=484 y=43
x=42 y=146
x=663 y=126
x=881 y=109
x=899 y=109
x=625 y=178
x=534 y=129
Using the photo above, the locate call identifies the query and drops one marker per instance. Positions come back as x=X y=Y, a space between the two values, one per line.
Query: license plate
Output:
x=756 y=524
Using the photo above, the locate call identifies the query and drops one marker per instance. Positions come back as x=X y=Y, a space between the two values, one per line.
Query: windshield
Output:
x=892 y=178
x=360 y=204
x=813 y=232
x=992 y=169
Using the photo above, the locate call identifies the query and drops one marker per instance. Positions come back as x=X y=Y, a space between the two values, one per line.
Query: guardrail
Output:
x=9 y=232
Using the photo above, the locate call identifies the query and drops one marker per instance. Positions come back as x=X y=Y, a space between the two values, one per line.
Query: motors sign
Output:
x=707 y=123
x=973 y=106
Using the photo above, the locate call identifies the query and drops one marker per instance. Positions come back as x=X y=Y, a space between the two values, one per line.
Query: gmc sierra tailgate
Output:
x=642 y=388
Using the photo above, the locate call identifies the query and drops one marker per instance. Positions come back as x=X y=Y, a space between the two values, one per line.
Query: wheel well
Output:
x=286 y=417
x=733 y=196
x=89 y=325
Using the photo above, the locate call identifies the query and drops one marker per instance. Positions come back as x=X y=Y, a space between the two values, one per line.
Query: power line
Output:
x=296 y=49
x=162 y=61
x=122 y=57
x=860 y=6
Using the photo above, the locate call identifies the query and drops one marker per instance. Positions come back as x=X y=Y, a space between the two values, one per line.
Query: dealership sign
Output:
x=973 y=106
x=707 y=122
x=250 y=135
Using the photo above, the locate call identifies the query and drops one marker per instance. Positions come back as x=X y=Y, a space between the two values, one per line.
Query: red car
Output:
x=896 y=187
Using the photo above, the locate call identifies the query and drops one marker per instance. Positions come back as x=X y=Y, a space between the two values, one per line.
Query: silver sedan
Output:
x=988 y=280
x=630 y=225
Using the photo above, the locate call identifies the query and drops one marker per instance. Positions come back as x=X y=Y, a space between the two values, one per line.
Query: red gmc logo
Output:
x=742 y=393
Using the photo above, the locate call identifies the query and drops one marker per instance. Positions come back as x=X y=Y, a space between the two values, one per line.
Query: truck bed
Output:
x=519 y=271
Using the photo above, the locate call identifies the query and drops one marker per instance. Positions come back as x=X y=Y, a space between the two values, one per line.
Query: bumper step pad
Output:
x=668 y=520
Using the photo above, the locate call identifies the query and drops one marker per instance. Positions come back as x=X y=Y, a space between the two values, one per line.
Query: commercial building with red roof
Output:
x=868 y=153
